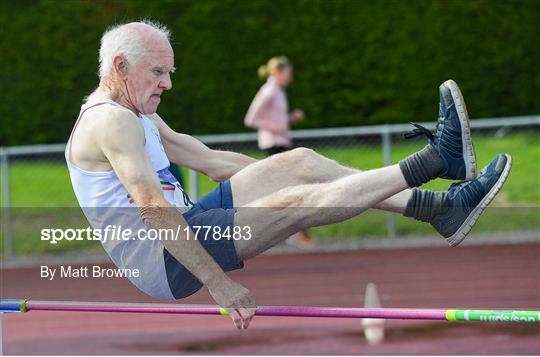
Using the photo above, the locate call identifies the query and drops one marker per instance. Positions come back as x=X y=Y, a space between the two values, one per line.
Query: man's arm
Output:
x=187 y=151
x=134 y=169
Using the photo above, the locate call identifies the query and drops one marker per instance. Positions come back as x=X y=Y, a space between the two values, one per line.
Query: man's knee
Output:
x=301 y=164
x=304 y=164
x=295 y=157
x=302 y=154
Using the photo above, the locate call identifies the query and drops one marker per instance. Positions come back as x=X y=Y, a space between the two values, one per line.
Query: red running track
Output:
x=497 y=276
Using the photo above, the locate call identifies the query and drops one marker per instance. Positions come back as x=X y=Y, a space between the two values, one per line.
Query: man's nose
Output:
x=166 y=83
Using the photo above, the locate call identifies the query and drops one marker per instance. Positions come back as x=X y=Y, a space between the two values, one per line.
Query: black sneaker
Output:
x=467 y=200
x=452 y=137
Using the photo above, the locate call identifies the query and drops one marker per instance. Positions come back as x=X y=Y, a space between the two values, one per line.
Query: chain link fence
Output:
x=37 y=177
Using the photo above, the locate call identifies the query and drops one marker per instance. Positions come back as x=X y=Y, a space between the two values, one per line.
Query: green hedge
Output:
x=356 y=62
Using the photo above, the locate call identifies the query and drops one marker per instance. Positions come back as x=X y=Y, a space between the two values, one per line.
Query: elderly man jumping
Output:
x=120 y=150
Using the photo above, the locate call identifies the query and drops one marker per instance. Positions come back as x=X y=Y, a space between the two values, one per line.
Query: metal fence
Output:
x=42 y=167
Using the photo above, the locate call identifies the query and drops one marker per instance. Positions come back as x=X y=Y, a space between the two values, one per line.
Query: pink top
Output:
x=269 y=113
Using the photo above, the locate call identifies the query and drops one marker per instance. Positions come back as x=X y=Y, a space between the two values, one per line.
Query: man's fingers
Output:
x=247 y=315
x=245 y=318
x=233 y=313
x=241 y=307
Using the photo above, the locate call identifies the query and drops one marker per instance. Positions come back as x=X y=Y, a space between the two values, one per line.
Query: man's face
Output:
x=151 y=77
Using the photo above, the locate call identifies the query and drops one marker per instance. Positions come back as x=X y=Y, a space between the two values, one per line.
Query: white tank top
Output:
x=106 y=202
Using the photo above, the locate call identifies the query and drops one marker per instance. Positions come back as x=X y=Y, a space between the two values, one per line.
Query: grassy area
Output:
x=47 y=184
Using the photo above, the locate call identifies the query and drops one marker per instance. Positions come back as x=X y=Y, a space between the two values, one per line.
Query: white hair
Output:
x=127 y=41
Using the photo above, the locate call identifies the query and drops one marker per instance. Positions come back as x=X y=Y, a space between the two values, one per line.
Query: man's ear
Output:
x=120 y=67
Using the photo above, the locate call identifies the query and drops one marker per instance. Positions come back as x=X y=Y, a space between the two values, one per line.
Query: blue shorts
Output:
x=213 y=209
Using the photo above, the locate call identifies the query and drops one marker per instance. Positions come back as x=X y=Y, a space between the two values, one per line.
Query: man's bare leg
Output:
x=451 y=213
x=305 y=190
x=294 y=208
x=300 y=166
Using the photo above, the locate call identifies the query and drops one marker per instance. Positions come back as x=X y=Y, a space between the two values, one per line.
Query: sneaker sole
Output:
x=468 y=147
x=466 y=227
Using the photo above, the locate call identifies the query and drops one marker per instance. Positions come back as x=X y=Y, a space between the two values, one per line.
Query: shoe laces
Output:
x=456 y=185
x=469 y=190
x=420 y=130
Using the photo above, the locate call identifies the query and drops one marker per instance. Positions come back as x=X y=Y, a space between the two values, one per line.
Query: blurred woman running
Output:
x=269 y=114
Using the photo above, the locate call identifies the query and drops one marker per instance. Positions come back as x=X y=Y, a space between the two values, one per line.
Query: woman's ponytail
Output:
x=263 y=72
x=275 y=64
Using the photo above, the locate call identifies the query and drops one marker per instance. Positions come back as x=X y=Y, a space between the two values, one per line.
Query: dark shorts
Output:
x=277 y=149
x=213 y=209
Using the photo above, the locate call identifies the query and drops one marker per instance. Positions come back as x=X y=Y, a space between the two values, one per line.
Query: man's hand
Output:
x=236 y=299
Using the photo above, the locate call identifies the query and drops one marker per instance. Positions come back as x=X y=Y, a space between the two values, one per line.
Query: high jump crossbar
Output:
x=21 y=305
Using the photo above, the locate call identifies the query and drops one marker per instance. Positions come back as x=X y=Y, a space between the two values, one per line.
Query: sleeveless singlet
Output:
x=106 y=202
